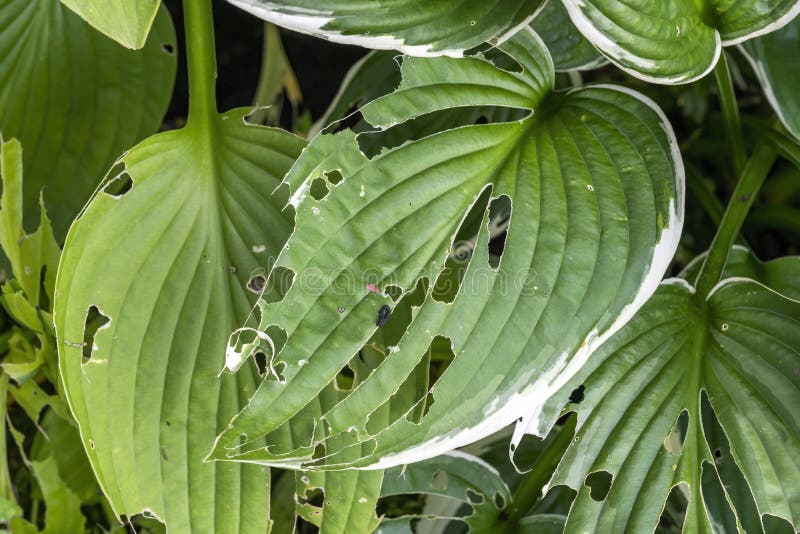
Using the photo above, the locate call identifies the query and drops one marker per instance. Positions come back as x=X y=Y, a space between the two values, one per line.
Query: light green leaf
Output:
x=570 y=49
x=414 y=27
x=674 y=41
x=640 y=425
x=596 y=191
x=771 y=57
x=126 y=21
x=165 y=267
x=458 y=476
x=76 y=100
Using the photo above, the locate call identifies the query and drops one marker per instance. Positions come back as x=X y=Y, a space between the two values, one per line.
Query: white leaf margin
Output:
x=311 y=22
x=611 y=50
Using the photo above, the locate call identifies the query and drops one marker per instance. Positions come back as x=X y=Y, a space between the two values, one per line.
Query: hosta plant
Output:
x=529 y=270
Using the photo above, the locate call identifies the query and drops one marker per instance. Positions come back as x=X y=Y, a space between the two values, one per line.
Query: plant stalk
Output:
x=201 y=61
x=530 y=488
x=753 y=176
x=730 y=113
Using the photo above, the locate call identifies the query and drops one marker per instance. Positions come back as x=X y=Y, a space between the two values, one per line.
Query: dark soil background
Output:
x=319 y=65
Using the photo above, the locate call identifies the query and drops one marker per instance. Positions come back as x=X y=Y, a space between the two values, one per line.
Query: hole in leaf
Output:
x=119 y=185
x=599 y=484
x=168 y=48
x=257 y=283
x=674 y=440
x=674 y=512
x=449 y=279
x=776 y=525
x=95 y=320
x=499 y=501
x=313 y=497
x=499 y=217
x=474 y=498
x=262 y=364
x=345 y=379
x=577 y=395
x=439 y=480
x=350 y=119
x=319 y=188
x=334 y=177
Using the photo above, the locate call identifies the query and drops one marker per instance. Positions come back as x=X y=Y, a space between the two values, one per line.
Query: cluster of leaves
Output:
x=221 y=305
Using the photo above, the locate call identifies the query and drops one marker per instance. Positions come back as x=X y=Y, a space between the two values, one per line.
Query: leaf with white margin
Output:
x=596 y=185
x=741 y=349
x=570 y=50
x=167 y=264
x=126 y=21
x=414 y=27
x=674 y=41
x=76 y=100
x=458 y=476
x=773 y=57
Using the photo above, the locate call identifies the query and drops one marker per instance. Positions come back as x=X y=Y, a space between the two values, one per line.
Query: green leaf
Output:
x=641 y=424
x=165 y=267
x=458 y=476
x=570 y=49
x=414 y=27
x=126 y=21
x=76 y=100
x=373 y=76
x=771 y=57
x=674 y=41
x=596 y=191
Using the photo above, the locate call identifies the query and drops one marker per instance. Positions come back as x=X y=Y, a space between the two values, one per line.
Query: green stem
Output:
x=6 y=490
x=201 y=61
x=754 y=174
x=730 y=113
x=530 y=488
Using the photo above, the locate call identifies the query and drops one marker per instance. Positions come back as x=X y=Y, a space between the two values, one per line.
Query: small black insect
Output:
x=383 y=315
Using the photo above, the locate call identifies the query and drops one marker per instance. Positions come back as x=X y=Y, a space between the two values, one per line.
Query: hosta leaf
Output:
x=779 y=75
x=595 y=185
x=640 y=425
x=458 y=476
x=674 y=41
x=570 y=49
x=152 y=281
x=414 y=27
x=76 y=100
x=126 y=21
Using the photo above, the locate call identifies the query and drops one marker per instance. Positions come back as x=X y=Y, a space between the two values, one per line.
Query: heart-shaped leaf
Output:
x=126 y=21
x=153 y=278
x=414 y=27
x=641 y=429
x=76 y=100
x=595 y=185
x=772 y=57
x=674 y=41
